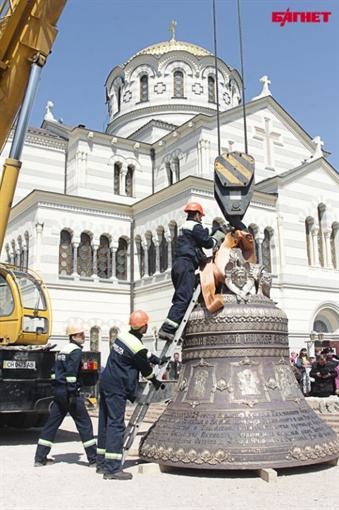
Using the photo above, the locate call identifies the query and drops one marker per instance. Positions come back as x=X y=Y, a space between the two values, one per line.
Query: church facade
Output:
x=97 y=213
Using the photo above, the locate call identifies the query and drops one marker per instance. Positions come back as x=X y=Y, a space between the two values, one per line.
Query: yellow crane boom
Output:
x=27 y=32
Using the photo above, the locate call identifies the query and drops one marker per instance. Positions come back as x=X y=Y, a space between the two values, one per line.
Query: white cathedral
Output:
x=97 y=213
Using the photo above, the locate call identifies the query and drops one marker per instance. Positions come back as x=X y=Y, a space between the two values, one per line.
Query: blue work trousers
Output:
x=60 y=407
x=111 y=431
x=183 y=278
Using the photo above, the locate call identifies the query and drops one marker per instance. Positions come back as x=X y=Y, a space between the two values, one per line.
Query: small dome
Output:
x=173 y=45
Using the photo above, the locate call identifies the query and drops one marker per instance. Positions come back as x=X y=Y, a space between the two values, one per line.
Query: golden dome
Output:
x=173 y=45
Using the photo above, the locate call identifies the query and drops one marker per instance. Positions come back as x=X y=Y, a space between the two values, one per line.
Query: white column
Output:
x=327 y=248
x=336 y=247
x=145 y=247
x=169 y=248
x=157 y=255
x=75 y=258
x=123 y=173
x=128 y=261
x=204 y=157
x=95 y=248
x=315 y=245
x=114 y=248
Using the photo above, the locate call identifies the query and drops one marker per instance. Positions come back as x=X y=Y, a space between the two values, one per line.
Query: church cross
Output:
x=172 y=27
x=268 y=137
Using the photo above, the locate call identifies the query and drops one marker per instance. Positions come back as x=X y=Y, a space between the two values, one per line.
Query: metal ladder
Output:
x=146 y=397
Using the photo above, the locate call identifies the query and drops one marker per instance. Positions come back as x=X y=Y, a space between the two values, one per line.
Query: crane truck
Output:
x=27 y=32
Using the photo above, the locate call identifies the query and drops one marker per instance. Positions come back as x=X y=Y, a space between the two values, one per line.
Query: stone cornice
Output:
x=89 y=206
x=83 y=205
x=42 y=138
x=164 y=108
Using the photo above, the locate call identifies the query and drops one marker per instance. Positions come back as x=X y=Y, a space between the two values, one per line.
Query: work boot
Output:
x=119 y=475
x=166 y=335
x=43 y=462
x=92 y=463
x=100 y=470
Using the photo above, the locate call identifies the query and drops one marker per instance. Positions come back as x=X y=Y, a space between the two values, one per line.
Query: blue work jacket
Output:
x=127 y=358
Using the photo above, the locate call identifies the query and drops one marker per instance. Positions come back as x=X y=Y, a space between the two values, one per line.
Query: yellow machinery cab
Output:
x=25 y=317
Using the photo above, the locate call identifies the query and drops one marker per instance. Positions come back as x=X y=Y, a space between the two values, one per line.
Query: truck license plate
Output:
x=19 y=364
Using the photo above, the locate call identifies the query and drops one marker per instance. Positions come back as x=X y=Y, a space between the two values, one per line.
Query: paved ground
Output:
x=69 y=484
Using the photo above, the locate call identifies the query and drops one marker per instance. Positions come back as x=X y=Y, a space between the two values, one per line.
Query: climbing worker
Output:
x=119 y=383
x=188 y=255
x=67 y=399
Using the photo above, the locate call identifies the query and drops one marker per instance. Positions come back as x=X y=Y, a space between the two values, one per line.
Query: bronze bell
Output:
x=237 y=403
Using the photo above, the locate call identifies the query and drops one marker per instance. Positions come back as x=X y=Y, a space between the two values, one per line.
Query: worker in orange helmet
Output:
x=188 y=255
x=118 y=383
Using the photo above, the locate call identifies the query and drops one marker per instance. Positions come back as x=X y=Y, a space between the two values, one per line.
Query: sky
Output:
x=300 y=59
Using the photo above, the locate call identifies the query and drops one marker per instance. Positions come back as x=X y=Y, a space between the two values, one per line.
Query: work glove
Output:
x=219 y=236
x=156 y=383
x=164 y=359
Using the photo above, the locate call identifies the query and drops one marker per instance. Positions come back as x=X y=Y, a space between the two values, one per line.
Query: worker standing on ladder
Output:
x=119 y=383
x=188 y=255
x=68 y=400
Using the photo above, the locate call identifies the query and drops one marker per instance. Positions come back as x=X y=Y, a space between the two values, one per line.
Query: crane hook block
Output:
x=233 y=185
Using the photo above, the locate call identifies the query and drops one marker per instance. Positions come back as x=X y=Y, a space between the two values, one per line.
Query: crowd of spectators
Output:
x=317 y=376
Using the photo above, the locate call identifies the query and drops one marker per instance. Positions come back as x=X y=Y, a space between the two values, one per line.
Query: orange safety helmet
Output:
x=194 y=207
x=138 y=319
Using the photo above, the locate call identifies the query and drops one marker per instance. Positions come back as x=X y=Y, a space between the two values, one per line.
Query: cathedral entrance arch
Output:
x=325 y=327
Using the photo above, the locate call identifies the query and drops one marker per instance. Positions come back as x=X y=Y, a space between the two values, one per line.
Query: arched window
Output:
x=94 y=336
x=266 y=250
x=151 y=254
x=129 y=181
x=320 y=326
x=321 y=247
x=121 y=260
x=173 y=227
x=140 y=255
x=104 y=263
x=119 y=98
x=117 y=168
x=65 y=253
x=163 y=250
x=113 y=334
x=211 y=89
x=85 y=256
x=178 y=87
x=144 y=88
